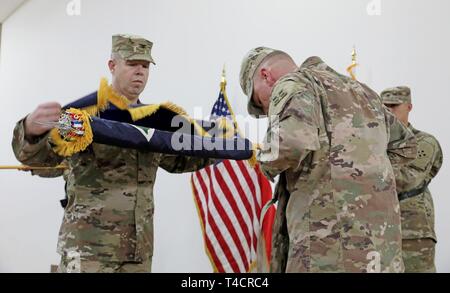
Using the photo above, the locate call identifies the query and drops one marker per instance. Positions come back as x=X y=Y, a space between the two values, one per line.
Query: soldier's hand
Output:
x=44 y=113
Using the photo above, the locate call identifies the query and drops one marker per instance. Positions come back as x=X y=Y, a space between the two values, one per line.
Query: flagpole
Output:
x=29 y=168
x=223 y=85
x=252 y=161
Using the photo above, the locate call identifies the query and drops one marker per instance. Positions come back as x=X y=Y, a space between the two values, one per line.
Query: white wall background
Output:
x=48 y=55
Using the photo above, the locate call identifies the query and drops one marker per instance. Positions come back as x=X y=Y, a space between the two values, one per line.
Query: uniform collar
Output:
x=413 y=130
x=312 y=61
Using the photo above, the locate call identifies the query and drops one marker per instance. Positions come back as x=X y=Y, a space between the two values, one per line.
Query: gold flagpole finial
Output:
x=224 y=75
x=354 y=55
x=223 y=81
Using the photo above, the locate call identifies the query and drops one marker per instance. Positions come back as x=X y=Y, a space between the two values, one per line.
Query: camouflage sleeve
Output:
x=183 y=164
x=408 y=177
x=423 y=169
x=36 y=153
x=438 y=159
x=292 y=133
x=402 y=145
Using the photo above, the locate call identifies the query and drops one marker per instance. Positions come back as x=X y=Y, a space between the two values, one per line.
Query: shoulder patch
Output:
x=284 y=90
x=425 y=153
x=279 y=97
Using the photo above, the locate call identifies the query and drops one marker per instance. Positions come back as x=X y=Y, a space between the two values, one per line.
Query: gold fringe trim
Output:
x=253 y=161
x=117 y=100
x=106 y=94
x=145 y=111
x=142 y=112
x=180 y=111
x=200 y=129
x=68 y=147
x=174 y=108
x=91 y=110
x=102 y=95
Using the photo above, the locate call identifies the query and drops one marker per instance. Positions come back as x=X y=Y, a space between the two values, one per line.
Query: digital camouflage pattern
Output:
x=109 y=216
x=416 y=203
x=418 y=255
x=131 y=47
x=396 y=95
x=417 y=212
x=73 y=264
x=338 y=208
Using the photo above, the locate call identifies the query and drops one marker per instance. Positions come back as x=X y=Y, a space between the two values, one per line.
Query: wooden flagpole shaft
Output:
x=26 y=168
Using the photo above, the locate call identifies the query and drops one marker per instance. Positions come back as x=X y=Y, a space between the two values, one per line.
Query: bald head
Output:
x=278 y=60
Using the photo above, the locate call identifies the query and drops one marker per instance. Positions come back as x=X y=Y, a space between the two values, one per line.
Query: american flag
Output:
x=230 y=196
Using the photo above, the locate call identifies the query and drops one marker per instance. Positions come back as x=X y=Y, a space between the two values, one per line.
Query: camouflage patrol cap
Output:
x=396 y=95
x=131 y=47
x=248 y=67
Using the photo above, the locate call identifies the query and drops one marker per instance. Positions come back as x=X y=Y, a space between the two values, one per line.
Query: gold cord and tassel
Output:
x=352 y=67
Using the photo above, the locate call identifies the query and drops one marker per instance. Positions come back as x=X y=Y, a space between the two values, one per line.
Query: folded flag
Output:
x=76 y=130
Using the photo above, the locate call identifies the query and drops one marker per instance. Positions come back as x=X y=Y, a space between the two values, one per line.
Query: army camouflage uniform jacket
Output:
x=338 y=209
x=109 y=215
x=417 y=212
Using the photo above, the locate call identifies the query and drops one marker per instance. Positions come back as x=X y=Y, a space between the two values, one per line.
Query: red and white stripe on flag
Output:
x=229 y=197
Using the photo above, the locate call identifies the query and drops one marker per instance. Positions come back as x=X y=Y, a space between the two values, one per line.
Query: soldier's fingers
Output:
x=51 y=113
x=45 y=128
x=50 y=105
x=45 y=123
x=50 y=118
x=45 y=113
x=48 y=111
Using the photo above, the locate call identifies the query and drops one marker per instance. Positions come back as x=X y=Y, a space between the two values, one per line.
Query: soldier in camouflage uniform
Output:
x=416 y=203
x=332 y=144
x=108 y=220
